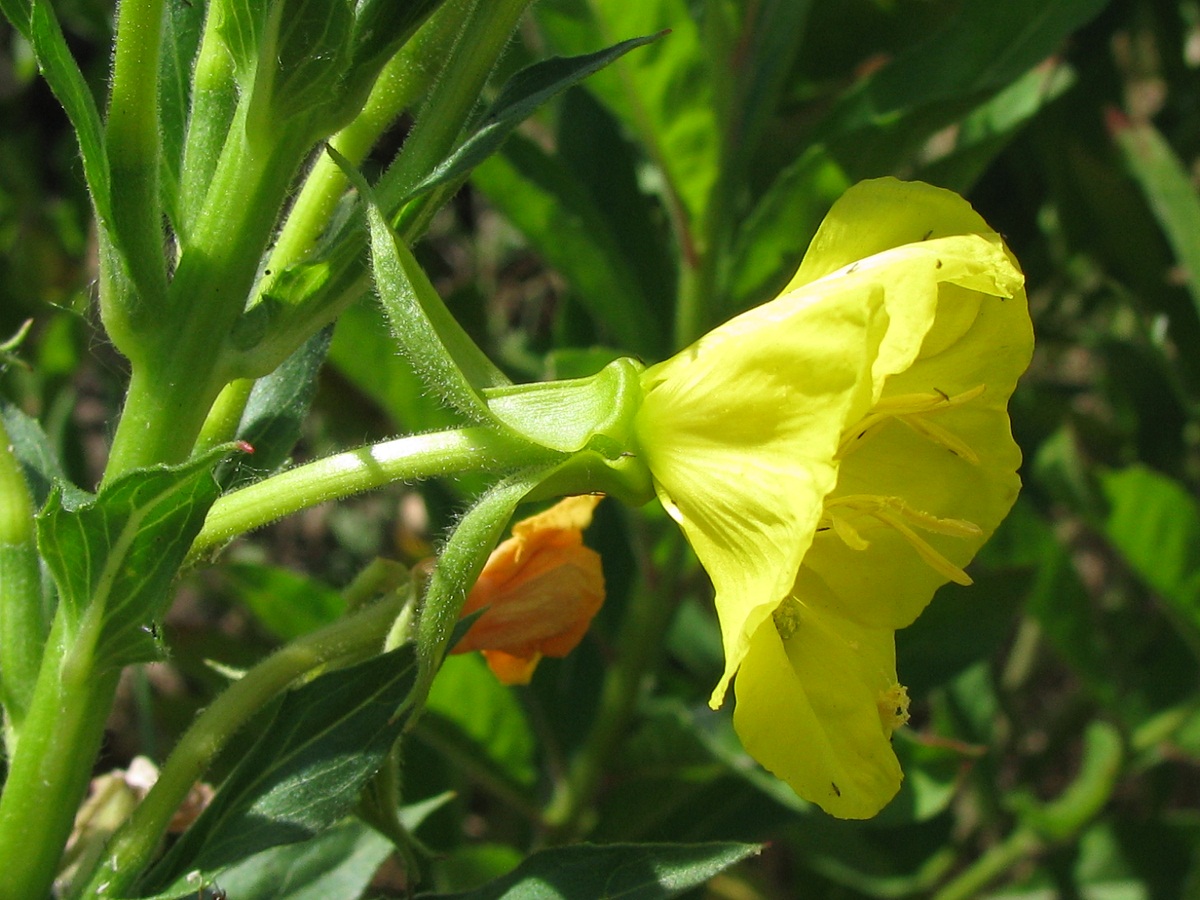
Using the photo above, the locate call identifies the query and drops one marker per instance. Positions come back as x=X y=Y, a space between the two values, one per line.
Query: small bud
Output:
x=539 y=591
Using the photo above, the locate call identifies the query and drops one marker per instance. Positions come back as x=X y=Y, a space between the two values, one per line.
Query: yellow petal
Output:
x=882 y=586
x=812 y=710
x=740 y=432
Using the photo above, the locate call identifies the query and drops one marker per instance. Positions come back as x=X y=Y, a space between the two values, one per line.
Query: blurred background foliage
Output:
x=1055 y=744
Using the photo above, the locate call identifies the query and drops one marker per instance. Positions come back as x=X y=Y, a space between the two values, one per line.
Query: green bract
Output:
x=835 y=456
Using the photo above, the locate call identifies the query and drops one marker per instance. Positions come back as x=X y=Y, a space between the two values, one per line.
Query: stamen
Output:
x=911 y=409
x=931 y=557
x=893 y=707
x=939 y=435
x=895 y=512
x=787 y=618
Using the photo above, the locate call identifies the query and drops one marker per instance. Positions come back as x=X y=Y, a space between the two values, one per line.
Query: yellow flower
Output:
x=835 y=456
x=539 y=591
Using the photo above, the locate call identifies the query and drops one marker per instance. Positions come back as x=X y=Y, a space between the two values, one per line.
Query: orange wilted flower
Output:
x=539 y=591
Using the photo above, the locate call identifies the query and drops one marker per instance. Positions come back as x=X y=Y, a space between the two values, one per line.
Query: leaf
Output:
x=990 y=127
x=962 y=626
x=566 y=225
x=287 y=604
x=663 y=95
x=37 y=23
x=627 y=871
x=1155 y=525
x=310 y=50
x=520 y=97
x=115 y=555
x=881 y=122
x=276 y=409
x=472 y=711
x=439 y=349
x=306 y=770
x=758 y=64
x=459 y=563
x=1168 y=188
x=772 y=239
x=240 y=24
x=180 y=42
x=38 y=460
x=337 y=864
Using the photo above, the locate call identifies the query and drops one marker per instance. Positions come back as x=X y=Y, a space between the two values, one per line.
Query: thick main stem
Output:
x=179 y=374
x=48 y=775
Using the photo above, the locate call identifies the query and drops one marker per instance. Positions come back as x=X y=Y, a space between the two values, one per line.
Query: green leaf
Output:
x=664 y=95
x=606 y=872
x=363 y=351
x=287 y=604
x=459 y=563
x=240 y=24
x=38 y=24
x=307 y=51
x=771 y=241
x=962 y=626
x=38 y=460
x=472 y=711
x=183 y=22
x=884 y=119
x=567 y=226
x=758 y=62
x=305 y=772
x=990 y=127
x=1155 y=525
x=276 y=409
x=1169 y=189
x=114 y=556
x=337 y=864
x=517 y=100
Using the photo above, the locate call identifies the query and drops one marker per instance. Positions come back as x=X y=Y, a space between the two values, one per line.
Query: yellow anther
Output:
x=893 y=707
x=899 y=515
x=787 y=618
x=912 y=410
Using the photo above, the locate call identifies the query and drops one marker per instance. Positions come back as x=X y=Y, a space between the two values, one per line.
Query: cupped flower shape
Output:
x=835 y=456
x=538 y=591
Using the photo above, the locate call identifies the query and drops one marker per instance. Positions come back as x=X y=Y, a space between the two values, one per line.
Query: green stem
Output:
x=403 y=80
x=181 y=371
x=342 y=643
x=354 y=471
x=225 y=416
x=214 y=104
x=48 y=775
x=487 y=31
x=651 y=606
x=21 y=630
x=132 y=142
x=1019 y=845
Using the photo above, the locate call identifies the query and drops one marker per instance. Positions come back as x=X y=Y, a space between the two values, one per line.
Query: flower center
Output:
x=914 y=411
x=842 y=514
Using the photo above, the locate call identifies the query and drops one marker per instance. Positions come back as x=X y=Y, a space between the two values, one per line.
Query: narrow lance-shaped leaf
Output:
x=442 y=353
x=38 y=24
x=1169 y=190
x=306 y=771
x=114 y=555
x=519 y=98
x=625 y=871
